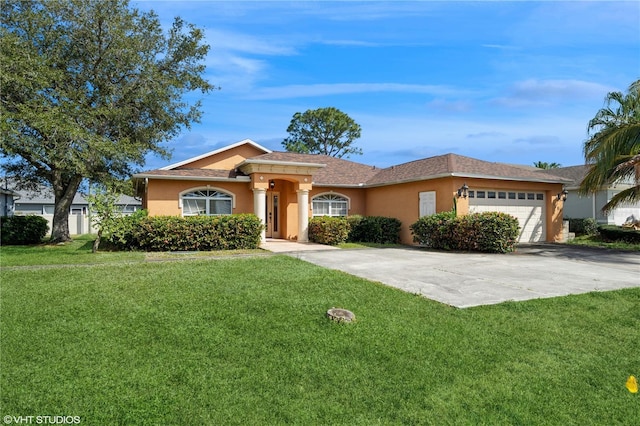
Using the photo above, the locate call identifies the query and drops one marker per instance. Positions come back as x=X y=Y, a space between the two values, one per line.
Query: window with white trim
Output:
x=329 y=205
x=207 y=202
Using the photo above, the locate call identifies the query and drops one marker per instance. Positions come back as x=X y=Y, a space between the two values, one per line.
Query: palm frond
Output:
x=627 y=196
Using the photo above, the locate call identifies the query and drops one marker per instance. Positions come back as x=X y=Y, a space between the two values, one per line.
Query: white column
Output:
x=259 y=208
x=303 y=215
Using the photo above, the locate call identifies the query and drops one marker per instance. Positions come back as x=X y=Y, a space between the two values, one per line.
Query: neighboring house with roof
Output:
x=42 y=201
x=579 y=206
x=7 y=201
x=285 y=189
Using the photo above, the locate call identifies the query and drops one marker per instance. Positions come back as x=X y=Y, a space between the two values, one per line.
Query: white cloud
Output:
x=441 y=105
x=544 y=92
x=221 y=40
x=500 y=47
x=301 y=90
x=539 y=140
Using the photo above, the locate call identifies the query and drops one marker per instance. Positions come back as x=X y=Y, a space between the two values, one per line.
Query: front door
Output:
x=273 y=214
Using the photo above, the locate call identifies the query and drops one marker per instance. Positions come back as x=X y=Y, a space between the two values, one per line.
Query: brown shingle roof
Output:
x=191 y=173
x=458 y=165
x=575 y=173
x=336 y=172
x=339 y=172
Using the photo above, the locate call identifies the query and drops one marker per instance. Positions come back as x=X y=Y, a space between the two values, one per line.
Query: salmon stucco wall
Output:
x=356 y=197
x=225 y=160
x=402 y=201
x=163 y=196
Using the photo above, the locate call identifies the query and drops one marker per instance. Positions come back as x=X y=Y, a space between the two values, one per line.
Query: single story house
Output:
x=7 y=200
x=285 y=189
x=41 y=203
x=590 y=206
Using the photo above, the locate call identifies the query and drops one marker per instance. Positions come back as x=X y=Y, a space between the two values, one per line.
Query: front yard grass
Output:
x=246 y=341
x=597 y=241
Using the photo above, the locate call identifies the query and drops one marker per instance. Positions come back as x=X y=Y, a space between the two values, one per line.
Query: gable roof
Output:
x=338 y=172
x=332 y=171
x=574 y=173
x=461 y=166
x=44 y=195
x=216 y=151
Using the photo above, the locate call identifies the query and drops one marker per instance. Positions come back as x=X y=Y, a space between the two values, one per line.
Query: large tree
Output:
x=327 y=131
x=613 y=148
x=88 y=88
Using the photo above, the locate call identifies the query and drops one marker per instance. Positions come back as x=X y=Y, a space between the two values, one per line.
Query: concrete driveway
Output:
x=472 y=279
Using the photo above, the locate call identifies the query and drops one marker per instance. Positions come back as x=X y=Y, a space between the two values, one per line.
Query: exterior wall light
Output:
x=272 y=184
x=463 y=191
x=563 y=195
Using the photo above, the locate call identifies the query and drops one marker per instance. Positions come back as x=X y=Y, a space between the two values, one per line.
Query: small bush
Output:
x=486 y=232
x=434 y=230
x=375 y=229
x=494 y=232
x=617 y=233
x=173 y=233
x=19 y=230
x=328 y=230
x=586 y=226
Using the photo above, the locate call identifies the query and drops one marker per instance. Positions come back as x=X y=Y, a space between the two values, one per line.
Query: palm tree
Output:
x=546 y=166
x=613 y=148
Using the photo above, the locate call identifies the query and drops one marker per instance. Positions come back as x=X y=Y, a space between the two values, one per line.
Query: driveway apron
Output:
x=473 y=279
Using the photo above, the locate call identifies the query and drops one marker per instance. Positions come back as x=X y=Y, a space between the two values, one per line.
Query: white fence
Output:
x=78 y=224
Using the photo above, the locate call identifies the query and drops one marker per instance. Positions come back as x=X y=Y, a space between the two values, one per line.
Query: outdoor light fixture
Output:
x=463 y=191
x=563 y=195
x=272 y=184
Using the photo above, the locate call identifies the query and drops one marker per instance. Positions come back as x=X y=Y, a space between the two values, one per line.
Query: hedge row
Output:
x=374 y=229
x=20 y=230
x=617 y=233
x=328 y=230
x=368 y=229
x=586 y=226
x=173 y=233
x=492 y=232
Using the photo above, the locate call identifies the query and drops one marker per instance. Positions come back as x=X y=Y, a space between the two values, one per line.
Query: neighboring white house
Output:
x=590 y=206
x=41 y=203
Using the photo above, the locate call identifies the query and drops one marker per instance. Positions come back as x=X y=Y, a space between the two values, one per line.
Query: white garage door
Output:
x=527 y=207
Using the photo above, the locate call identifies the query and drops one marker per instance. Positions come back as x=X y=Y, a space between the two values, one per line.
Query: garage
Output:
x=527 y=207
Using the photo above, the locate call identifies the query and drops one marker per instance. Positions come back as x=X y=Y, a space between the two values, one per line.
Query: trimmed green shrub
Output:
x=19 y=230
x=354 y=223
x=586 y=226
x=374 y=229
x=435 y=230
x=193 y=233
x=618 y=233
x=328 y=230
x=122 y=233
x=492 y=232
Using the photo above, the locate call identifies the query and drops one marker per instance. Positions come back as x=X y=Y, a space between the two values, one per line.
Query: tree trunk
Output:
x=64 y=191
x=96 y=243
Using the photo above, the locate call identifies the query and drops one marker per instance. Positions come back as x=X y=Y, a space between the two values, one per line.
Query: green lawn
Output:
x=245 y=341
x=597 y=241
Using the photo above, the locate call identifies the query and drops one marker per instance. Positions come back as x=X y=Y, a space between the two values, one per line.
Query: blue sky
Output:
x=513 y=82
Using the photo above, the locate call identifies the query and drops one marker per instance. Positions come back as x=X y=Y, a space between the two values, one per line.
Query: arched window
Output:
x=330 y=205
x=208 y=202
